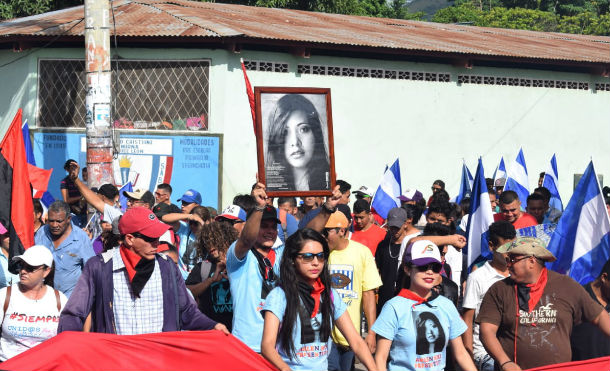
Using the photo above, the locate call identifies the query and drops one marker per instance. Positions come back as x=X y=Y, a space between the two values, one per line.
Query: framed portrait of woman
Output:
x=295 y=141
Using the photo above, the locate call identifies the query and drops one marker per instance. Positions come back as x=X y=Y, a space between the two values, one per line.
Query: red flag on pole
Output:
x=250 y=96
x=16 y=206
x=39 y=178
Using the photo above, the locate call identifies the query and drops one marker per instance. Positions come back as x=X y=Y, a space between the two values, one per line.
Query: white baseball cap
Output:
x=36 y=255
x=422 y=252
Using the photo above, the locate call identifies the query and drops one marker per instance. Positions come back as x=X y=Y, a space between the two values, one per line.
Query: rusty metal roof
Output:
x=181 y=21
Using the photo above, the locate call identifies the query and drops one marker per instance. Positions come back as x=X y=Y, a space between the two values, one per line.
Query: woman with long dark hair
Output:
x=415 y=327
x=300 y=313
x=295 y=145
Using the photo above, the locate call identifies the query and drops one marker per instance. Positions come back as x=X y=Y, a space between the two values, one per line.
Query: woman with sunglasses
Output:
x=300 y=313
x=30 y=314
x=415 y=327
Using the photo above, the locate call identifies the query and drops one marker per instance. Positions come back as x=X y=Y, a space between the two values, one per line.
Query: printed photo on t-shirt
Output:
x=430 y=335
x=342 y=280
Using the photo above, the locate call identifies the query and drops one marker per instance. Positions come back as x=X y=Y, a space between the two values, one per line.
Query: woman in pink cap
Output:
x=31 y=309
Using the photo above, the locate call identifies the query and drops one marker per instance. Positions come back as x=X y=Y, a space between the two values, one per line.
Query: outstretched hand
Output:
x=259 y=194
x=333 y=200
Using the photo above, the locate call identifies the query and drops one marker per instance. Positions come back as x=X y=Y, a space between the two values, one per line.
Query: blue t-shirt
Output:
x=69 y=257
x=419 y=333
x=310 y=356
x=246 y=286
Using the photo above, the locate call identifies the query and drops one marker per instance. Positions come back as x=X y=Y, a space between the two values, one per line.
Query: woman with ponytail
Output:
x=300 y=313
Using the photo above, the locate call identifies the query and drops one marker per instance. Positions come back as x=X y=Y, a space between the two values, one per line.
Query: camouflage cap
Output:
x=528 y=246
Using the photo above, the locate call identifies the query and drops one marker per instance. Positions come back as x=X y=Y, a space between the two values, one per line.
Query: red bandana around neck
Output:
x=318 y=287
x=271 y=256
x=408 y=294
x=130 y=259
x=536 y=289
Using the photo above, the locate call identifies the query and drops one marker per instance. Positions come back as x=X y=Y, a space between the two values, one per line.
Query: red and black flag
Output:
x=16 y=207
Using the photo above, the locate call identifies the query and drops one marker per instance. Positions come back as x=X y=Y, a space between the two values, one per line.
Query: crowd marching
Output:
x=310 y=285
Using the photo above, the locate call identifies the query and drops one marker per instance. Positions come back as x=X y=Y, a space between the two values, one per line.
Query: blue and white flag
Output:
x=480 y=218
x=550 y=182
x=581 y=241
x=122 y=198
x=517 y=180
x=500 y=172
x=465 y=184
x=388 y=191
x=47 y=199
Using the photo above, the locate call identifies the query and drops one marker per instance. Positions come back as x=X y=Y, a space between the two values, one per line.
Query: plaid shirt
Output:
x=134 y=315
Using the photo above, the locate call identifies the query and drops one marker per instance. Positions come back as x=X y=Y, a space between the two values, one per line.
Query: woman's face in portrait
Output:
x=299 y=141
x=431 y=331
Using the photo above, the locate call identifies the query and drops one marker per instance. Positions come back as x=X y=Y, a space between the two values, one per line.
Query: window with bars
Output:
x=147 y=94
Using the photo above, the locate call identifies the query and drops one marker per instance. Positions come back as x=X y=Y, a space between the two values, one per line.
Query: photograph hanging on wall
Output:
x=295 y=141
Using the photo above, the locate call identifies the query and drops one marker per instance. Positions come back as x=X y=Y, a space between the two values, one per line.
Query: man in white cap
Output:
x=526 y=319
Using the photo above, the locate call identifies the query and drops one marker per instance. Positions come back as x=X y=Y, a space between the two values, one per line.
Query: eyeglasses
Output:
x=308 y=257
x=434 y=267
x=145 y=238
x=184 y=203
x=434 y=189
x=28 y=268
x=516 y=259
x=325 y=231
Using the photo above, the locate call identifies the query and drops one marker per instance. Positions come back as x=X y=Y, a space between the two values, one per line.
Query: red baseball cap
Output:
x=142 y=220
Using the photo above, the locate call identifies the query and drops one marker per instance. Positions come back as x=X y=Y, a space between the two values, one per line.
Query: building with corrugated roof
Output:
x=431 y=94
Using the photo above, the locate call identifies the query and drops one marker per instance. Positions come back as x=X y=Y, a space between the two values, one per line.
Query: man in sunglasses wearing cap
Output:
x=253 y=263
x=526 y=319
x=133 y=290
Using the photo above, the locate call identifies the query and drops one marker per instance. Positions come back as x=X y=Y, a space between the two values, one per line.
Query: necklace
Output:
x=390 y=251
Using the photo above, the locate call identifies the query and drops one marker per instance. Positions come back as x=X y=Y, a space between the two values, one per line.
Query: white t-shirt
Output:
x=27 y=322
x=111 y=213
x=477 y=285
x=453 y=257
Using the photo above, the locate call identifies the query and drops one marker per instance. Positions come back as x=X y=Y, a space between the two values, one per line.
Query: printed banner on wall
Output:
x=183 y=161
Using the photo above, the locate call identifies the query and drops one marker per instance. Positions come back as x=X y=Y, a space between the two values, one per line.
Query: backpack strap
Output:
x=7 y=299
x=58 y=300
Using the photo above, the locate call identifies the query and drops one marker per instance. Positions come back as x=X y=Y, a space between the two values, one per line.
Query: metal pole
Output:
x=97 y=101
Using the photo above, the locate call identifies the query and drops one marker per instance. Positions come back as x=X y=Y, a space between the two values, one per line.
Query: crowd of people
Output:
x=310 y=285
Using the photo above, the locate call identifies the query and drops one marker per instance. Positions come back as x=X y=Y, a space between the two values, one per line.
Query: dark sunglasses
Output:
x=516 y=259
x=308 y=257
x=145 y=238
x=28 y=268
x=434 y=267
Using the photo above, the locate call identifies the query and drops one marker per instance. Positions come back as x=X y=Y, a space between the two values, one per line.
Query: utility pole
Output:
x=97 y=101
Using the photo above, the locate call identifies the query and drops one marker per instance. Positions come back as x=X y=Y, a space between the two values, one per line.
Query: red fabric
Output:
x=378 y=218
x=22 y=208
x=271 y=257
x=536 y=290
x=250 y=97
x=405 y=293
x=39 y=178
x=526 y=220
x=596 y=364
x=370 y=238
x=130 y=259
x=318 y=287
x=185 y=350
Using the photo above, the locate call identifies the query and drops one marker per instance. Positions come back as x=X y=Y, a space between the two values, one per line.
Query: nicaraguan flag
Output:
x=550 y=182
x=122 y=198
x=388 y=191
x=47 y=199
x=581 y=241
x=517 y=180
x=465 y=184
x=480 y=218
x=500 y=172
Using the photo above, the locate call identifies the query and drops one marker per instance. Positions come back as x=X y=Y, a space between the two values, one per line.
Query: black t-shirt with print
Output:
x=215 y=302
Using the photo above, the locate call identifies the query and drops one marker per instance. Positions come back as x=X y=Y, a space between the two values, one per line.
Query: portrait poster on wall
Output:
x=295 y=141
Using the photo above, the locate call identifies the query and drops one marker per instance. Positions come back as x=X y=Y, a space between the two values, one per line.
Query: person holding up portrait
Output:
x=296 y=157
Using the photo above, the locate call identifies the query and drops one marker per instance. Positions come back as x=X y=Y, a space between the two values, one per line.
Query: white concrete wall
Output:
x=431 y=126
